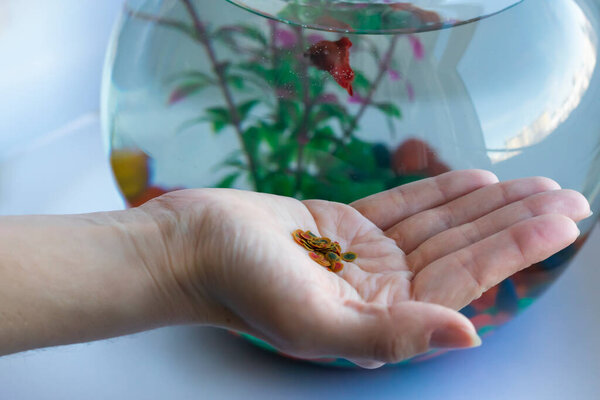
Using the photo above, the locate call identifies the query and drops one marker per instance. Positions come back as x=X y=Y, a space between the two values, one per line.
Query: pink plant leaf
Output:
x=417 y=47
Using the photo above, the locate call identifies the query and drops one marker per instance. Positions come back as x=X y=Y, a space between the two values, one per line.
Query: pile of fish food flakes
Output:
x=322 y=250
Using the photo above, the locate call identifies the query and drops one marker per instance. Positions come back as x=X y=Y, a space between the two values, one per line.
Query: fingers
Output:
x=416 y=229
x=462 y=276
x=388 y=208
x=566 y=202
x=371 y=335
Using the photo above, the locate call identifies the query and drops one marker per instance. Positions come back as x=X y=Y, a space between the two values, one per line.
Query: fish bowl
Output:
x=338 y=100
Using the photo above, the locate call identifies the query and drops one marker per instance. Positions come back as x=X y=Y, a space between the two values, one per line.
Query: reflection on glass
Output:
x=376 y=16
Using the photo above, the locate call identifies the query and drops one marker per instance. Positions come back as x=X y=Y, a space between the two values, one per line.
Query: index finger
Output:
x=385 y=209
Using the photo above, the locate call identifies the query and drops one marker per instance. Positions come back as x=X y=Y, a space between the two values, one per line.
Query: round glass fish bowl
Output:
x=338 y=100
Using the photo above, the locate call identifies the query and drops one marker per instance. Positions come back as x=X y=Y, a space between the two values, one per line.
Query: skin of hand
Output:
x=425 y=250
x=227 y=258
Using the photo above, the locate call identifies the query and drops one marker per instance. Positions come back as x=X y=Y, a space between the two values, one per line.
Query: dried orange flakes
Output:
x=322 y=250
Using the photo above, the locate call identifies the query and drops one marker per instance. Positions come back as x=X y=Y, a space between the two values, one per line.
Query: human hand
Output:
x=425 y=250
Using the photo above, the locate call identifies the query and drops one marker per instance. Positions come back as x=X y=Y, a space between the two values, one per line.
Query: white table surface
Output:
x=552 y=351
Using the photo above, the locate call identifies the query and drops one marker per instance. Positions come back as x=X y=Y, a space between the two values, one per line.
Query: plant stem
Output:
x=219 y=70
x=274 y=62
x=199 y=34
x=383 y=68
x=274 y=54
x=302 y=136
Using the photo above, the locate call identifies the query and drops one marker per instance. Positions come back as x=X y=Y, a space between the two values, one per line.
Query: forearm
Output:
x=67 y=279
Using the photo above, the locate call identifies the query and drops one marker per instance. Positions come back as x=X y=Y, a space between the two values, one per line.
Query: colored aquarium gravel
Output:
x=322 y=250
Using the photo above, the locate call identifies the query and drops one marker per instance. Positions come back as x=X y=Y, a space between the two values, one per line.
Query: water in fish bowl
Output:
x=343 y=100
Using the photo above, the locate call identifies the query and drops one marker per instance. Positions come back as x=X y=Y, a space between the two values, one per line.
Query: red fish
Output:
x=334 y=57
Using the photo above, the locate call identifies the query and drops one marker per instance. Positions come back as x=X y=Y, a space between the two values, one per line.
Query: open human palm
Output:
x=425 y=250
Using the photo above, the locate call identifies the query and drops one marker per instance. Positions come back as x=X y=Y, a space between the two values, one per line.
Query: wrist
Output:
x=182 y=276
x=149 y=256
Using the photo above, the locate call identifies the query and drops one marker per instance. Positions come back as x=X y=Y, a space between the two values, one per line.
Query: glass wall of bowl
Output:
x=338 y=100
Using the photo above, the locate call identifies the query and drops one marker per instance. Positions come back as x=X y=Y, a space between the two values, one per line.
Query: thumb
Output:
x=371 y=335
